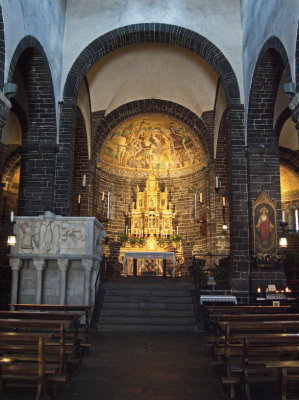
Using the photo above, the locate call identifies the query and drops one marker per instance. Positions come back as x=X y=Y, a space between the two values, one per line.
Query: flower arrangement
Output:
x=262 y=258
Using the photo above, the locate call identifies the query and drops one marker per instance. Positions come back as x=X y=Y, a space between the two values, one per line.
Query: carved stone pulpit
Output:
x=56 y=259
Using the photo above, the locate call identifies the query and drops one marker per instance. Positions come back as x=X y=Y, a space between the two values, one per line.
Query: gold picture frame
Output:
x=264 y=225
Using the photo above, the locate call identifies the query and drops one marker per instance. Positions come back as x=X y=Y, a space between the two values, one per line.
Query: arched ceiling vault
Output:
x=157 y=71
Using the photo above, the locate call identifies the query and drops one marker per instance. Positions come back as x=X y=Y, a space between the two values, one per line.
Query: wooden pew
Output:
x=86 y=309
x=288 y=372
x=41 y=326
x=38 y=371
x=235 y=329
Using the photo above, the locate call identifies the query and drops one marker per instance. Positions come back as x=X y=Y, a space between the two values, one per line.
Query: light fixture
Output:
x=224 y=227
x=283 y=242
x=11 y=240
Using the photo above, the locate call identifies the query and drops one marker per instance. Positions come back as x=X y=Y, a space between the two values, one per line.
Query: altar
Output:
x=150 y=255
x=150 y=234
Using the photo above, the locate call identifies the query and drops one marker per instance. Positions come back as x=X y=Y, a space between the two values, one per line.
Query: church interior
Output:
x=149 y=176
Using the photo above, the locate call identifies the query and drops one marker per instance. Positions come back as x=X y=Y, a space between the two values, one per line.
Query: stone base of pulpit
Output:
x=56 y=259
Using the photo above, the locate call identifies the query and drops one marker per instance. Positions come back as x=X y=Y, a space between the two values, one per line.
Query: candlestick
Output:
x=283 y=216
x=11 y=216
x=200 y=197
x=79 y=199
x=223 y=201
x=296 y=221
x=108 y=205
x=217 y=182
x=84 y=181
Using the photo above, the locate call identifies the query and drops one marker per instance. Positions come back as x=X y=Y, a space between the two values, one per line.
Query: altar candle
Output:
x=296 y=221
x=11 y=216
x=283 y=216
x=84 y=181
x=79 y=199
x=200 y=197
x=217 y=182
x=177 y=230
x=195 y=205
x=126 y=228
x=103 y=195
x=223 y=201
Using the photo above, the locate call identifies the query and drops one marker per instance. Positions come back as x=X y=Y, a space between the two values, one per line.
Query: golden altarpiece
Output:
x=150 y=234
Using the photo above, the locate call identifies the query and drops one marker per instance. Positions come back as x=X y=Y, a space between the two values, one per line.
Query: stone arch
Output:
x=81 y=166
x=271 y=63
x=155 y=106
x=286 y=114
x=262 y=150
x=297 y=59
x=152 y=33
x=2 y=50
x=39 y=141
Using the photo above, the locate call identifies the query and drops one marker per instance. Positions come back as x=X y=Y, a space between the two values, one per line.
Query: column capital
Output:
x=63 y=264
x=39 y=264
x=87 y=264
x=15 y=264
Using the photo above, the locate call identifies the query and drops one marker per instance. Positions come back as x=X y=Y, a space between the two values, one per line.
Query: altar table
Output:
x=148 y=254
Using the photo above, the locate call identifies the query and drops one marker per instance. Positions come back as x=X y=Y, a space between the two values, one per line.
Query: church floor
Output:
x=145 y=366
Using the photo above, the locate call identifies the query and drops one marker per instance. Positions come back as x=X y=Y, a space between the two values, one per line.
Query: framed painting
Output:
x=264 y=225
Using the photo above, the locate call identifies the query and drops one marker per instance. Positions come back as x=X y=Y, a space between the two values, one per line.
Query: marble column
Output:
x=87 y=265
x=63 y=264
x=39 y=265
x=15 y=265
x=94 y=275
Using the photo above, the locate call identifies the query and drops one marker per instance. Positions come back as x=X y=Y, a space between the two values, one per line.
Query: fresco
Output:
x=152 y=142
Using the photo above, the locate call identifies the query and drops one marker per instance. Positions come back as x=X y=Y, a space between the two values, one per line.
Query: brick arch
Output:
x=152 y=33
x=39 y=140
x=2 y=50
x=271 y=63
x=81 y=165
x=297 y=59
x=155 y=106
x=11 y=164
x=289 y=158
x=286 y=114
x=30 y=57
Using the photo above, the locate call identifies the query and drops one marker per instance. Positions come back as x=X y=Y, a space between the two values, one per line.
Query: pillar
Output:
x=39 y=265
x=87 y=265
x=63 y=264
x=15 y=265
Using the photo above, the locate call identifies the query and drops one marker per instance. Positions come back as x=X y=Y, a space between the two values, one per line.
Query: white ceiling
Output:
x=157 y=71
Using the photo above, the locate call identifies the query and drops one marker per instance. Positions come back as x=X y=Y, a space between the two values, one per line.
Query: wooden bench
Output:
x=86 y=309
x=288 y=371
x=262 y=351
x=41 y=326
x=38 y=370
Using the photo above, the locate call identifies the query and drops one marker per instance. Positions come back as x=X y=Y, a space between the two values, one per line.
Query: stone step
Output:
x=147 y=306
x=151 y=299
x=146 y=313
x=144 y=328
x=147 y=320
x=146 y=293
x=140 y=286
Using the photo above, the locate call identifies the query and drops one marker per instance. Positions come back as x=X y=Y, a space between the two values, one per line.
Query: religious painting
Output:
x=264 y=225
x=152 y=142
